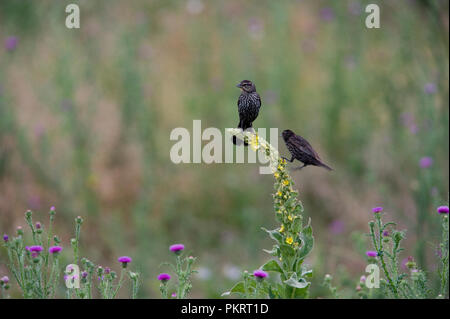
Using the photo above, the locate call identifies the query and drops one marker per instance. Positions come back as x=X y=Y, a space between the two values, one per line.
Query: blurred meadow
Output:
x=86 y=115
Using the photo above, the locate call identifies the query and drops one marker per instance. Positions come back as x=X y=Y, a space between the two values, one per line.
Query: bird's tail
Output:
x=325 y=166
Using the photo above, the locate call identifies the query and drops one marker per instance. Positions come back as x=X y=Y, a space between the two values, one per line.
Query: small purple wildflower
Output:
x=362 y=279
x=107 y=270
x=377 y=209
x=124 y=260
x=38 y=225
x=354 y=8
x=54 y=249
x=174 y=295
x=327 y=14
x=36 y=248
x=260 y=274
x=426 y=162
x=4 y=279
x=385 y=233
x=404 y=262
x=164 y=277
x=439 y=252
x=371 y=253
x=430 y=88
x=84 y=274
x=177 y=248
x=336 y=227
x=5 y=238
x=442 y=209
x=11 y=43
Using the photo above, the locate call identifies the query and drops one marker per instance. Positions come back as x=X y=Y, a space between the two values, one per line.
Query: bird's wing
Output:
x=258 y=98
x=303 y=145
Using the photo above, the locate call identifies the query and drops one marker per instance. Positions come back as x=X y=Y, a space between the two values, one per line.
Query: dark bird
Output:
x=301 y=150
x=249 y=104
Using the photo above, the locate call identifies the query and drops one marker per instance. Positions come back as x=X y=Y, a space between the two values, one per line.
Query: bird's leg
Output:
x=290 y=161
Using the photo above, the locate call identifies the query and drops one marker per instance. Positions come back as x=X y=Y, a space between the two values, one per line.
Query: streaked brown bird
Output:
x=301 y=150
x=249 y=103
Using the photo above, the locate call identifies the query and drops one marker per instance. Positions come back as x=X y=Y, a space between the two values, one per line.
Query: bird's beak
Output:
x=239 y=85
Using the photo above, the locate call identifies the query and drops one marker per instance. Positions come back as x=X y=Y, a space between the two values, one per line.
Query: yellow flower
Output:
x=279 y=193
x=280 y=168
x=285 y=182
x=254 y=144
x=283 y=161
x=282 y=228
x=290 y=218
x=285 y=196
x=276 y=175
x=289 y=240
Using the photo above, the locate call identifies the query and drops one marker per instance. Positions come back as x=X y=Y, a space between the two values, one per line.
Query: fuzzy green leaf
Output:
x=274 y=234
x=287 y=250
x=293 y=281
x=238 y=288
x=307 y=242
x=272 y=265
x=273 y=252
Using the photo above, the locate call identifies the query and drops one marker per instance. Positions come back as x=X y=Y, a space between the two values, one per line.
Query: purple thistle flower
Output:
x=38 y=225
x=354 y=8
x=5 y=238
x=52 y=208
x=442 y=209
x=164 y=277
x=404 y=262
x=371 y=253
x=84 y=274
x=336 y=227
x=327 y=14
x=430 y=88
x=362 y=279
x=426 y=162
x=260 y=274
x=107 y=270
x=4 y=279
x=124 y=260
x=385 y=233
x=174 y=295
x=11 y=43
x=177 y=248
x=54 y=249
x=377 y=209
x=36 y=248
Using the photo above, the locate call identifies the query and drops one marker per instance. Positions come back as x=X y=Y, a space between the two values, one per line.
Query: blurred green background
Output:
x=86 y=115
